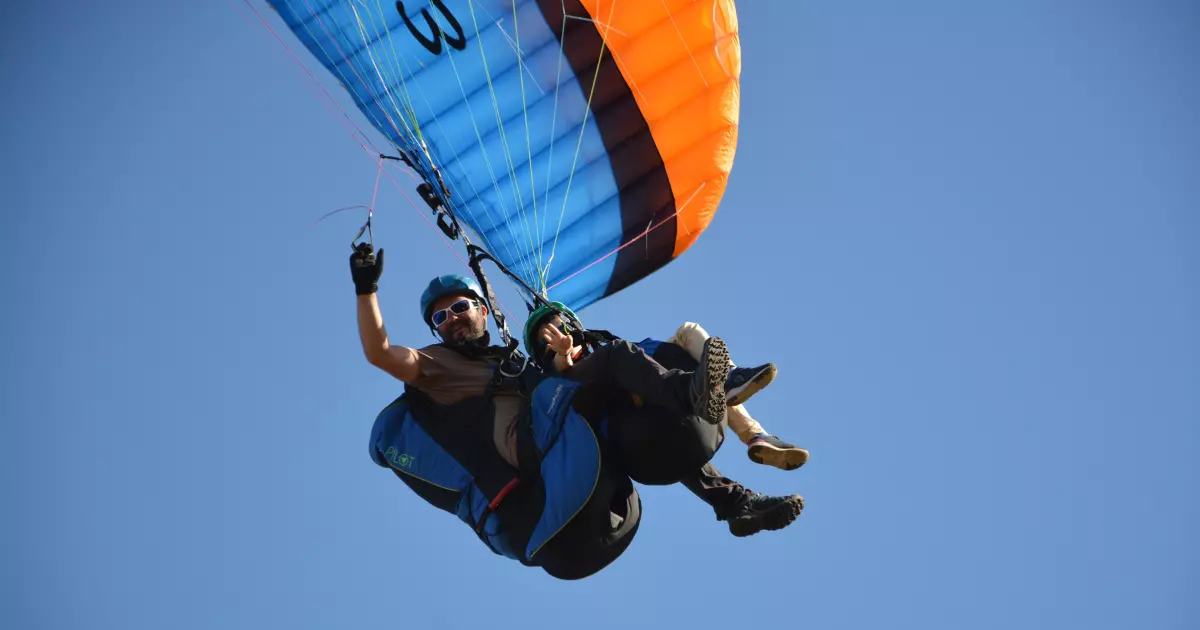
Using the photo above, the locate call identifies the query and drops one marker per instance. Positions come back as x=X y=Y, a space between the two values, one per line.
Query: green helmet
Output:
x=539 y=316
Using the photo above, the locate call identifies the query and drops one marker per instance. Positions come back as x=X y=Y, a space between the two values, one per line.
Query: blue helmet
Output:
x=446 y=285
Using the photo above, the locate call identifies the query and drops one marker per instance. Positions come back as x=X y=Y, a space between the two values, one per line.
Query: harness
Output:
x=513 y=374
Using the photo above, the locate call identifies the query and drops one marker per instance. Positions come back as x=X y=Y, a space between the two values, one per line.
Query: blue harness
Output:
x=445 y=454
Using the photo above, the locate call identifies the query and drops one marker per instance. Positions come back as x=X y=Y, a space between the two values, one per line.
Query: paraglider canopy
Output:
x=583 y=143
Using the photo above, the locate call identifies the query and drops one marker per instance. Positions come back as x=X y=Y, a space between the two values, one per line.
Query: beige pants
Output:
x=690 y=337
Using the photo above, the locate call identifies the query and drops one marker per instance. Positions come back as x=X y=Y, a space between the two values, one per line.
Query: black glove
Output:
x=365 y=269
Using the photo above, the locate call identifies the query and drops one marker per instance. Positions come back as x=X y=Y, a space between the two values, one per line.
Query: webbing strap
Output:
x=476 y=258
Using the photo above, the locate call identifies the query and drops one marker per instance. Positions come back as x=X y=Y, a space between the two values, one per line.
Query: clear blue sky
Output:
x=966 y=232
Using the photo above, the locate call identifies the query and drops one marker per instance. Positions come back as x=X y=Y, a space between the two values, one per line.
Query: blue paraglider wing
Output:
x=585 y=144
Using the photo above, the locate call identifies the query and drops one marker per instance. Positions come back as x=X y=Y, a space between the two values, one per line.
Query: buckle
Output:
x=524 y=362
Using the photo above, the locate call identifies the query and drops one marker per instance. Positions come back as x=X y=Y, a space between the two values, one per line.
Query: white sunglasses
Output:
x=458 y=308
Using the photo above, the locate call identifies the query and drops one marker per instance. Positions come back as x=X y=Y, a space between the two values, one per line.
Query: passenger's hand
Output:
x=365 y=269
x=559 y=343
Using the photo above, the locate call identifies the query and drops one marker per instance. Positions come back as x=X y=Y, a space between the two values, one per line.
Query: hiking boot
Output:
x=759 y=511
x=708 y=382
x=742 y=383
x=769 y=450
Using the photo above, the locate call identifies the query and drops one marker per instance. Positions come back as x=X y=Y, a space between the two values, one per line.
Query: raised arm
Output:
x=399 y=361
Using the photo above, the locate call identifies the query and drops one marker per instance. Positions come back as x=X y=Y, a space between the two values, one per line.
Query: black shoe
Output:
x=759 y=512
x=769 y=450
x=744 y=382
x=708 y=382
